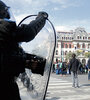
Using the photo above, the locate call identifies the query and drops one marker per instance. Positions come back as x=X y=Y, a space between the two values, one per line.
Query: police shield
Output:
x=40 y=51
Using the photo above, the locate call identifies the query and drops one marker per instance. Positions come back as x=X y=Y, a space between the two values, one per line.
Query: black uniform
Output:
x=12 y=57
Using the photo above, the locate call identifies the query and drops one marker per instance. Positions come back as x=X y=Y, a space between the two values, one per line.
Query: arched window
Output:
x=62 y=52
x=66 y=46
x=80 y=37
x=88 y=45
x=83 y=45
x=78 y=45
x=56 y=59
x=77 y=37
x=62 y=45
x=69 y=45
x=85 y=37
x=56 y=52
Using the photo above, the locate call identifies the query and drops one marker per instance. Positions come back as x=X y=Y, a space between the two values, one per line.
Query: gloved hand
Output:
x=44 y=14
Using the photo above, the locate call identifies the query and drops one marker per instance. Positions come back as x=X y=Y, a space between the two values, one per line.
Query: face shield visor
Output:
x=9 y=14
x=6 y=13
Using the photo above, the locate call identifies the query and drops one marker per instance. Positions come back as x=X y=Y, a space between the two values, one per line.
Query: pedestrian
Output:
x=64 y=68
x=53 y=68
x=57 y=67
x=80 y=68
x=74 y=63
x=12 y=60
x=60 y=68
x=69 y=71
x=88 y=64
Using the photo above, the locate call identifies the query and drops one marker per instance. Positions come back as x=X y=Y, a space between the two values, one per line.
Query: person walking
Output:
x=74 y=63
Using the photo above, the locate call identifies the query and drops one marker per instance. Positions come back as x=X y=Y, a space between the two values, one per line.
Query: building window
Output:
x=88 y=45
x=77 y=37
x=62 y=45
x=78 y=45
x=62 y=52
x=80 y=37
x=69 y=45
x=56 y=52
x=56 y=59
x=83 y=45
x=85 y=37
x=66 y=46
x=88 y=38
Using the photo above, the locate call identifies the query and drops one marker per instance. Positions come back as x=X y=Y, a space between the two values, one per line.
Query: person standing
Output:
x=88 y=64
x=74 y=64
x=60 y=68
x=64 y=68
x=12 y=57
x=57 y=67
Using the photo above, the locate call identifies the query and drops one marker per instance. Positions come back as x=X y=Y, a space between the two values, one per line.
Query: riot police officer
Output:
x=12 y=57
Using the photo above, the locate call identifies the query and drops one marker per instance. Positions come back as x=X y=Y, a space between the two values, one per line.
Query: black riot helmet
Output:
x=4 y=10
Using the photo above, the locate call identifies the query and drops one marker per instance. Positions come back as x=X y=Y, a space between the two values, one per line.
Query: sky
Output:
x=65 y=15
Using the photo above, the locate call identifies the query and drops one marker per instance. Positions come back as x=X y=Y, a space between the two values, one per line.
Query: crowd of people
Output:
x=73 y=67
x=63 y=68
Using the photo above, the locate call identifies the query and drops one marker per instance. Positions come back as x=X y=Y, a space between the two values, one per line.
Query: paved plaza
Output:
x=60 y=88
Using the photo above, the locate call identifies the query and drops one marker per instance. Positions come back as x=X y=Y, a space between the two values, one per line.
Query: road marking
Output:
x=59 y=89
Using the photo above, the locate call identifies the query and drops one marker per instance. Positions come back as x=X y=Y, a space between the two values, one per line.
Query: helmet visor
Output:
x=6 y=13
x=9 y=14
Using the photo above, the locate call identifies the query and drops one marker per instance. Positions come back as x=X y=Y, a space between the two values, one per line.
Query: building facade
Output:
x=72 y=41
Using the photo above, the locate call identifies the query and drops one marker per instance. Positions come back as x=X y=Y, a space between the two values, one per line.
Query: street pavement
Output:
x=60 y=88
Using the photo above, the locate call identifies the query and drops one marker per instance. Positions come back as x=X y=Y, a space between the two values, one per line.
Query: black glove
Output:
x=43 y=14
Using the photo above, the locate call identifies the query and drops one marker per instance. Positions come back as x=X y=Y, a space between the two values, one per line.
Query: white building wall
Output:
x=72 y=37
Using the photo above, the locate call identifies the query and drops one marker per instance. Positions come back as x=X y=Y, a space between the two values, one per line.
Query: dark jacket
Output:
x=88 y=64
x=74 y=63
x=12 y=57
